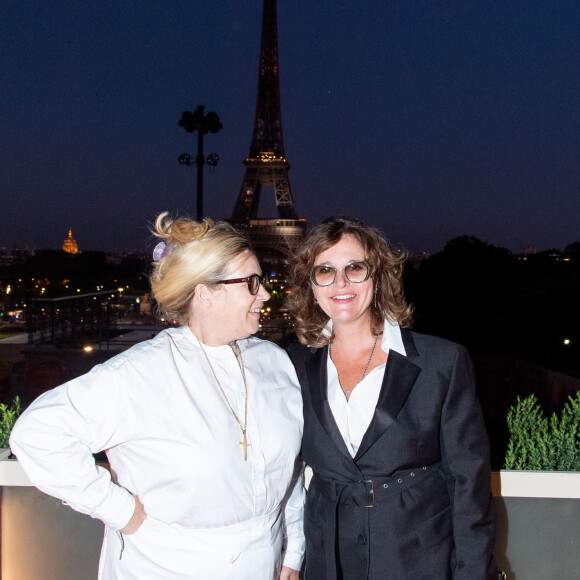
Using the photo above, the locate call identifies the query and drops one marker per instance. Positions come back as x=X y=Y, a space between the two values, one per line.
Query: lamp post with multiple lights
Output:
x=203 y=124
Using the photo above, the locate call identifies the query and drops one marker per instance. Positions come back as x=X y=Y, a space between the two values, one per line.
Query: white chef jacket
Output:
x=171 y=440
x=353 y=416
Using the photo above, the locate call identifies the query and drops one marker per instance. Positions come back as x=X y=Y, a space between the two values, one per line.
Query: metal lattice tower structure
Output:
x=266 y=164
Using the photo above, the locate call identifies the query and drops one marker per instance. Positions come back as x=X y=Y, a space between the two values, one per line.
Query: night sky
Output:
x=430 y=119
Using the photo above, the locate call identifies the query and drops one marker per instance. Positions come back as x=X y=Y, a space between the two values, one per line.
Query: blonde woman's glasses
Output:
x=252 y=281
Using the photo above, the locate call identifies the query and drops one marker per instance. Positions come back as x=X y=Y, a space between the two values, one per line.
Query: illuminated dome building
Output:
x=70 y=244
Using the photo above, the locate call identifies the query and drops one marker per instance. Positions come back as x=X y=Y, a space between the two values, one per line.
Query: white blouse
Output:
x=171 y=439
x=353 y=416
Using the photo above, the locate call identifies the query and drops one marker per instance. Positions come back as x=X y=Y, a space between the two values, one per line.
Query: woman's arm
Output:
x=465 y=456
x=55 y=438
x=294 y=523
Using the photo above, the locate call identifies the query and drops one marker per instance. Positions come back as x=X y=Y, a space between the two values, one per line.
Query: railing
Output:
x=54 y=320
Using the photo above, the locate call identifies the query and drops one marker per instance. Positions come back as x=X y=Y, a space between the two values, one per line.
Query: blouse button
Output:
x=362 y=540
x=385 y=485
x=399 y=480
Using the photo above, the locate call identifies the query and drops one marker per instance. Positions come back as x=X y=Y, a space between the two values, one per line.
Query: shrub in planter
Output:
x=540 y=443
x=8 y=416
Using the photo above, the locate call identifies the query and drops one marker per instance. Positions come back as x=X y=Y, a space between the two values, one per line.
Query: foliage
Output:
x=487 y=299
x=8 y=416
x=539 y=443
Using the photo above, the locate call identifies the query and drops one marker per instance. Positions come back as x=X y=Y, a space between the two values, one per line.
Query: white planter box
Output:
x=11 y=472
x=548 y=484
x=538 y=536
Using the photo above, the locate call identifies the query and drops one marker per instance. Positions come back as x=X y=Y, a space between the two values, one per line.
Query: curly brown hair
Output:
x=386 y=271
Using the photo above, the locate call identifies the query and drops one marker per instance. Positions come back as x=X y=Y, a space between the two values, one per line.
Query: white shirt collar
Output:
x=392 y=339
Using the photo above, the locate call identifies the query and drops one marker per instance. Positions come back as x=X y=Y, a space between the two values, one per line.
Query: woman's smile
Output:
x=344 y=297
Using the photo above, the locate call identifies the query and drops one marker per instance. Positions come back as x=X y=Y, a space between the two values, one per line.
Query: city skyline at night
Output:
x=429 y=120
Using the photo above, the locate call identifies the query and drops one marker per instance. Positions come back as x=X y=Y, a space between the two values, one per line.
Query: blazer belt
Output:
x=367 y=493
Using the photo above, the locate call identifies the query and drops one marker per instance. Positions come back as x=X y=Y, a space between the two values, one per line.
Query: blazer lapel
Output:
x=318 y=387
x=400 y=376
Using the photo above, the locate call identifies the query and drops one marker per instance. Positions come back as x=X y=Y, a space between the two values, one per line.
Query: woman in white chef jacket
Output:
x=201 y=425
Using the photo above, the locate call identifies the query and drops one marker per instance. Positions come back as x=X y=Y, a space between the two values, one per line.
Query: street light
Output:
x=203 y=124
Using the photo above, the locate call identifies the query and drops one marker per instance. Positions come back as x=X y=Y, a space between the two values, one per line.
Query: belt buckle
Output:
x=372 y=492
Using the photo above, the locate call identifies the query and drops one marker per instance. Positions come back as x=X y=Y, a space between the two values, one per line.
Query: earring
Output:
x=376 y=297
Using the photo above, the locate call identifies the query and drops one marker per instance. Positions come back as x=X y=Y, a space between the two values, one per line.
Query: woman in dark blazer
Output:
x=392 y=428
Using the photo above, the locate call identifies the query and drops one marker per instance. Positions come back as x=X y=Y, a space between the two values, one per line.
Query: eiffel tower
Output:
x=267 y=164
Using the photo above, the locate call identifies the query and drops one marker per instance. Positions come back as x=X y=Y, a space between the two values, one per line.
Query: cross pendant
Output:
x=245 y=445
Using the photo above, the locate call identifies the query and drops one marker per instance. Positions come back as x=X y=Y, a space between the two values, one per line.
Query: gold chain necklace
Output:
x=237 y=351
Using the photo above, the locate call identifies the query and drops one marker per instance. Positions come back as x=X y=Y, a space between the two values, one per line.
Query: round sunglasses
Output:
x=357 y=272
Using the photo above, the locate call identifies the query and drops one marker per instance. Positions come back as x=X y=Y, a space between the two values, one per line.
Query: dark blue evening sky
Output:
x=430 y=119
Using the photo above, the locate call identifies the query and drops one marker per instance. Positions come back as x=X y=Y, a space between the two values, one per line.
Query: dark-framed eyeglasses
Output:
x=252 y=281
x=357 y=272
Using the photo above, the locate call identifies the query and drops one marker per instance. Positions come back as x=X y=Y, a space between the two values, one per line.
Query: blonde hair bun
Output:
x=180 y=231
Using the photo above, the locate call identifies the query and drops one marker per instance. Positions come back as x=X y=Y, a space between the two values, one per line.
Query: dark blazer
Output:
x=415 y=502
